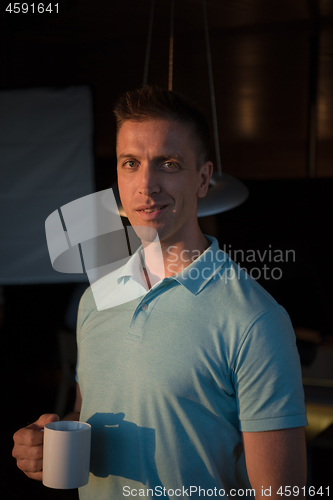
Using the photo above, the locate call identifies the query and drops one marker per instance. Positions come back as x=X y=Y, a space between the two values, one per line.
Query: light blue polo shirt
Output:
x=170 y=378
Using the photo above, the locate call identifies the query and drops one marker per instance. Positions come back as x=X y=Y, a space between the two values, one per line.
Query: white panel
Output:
x=46 y=162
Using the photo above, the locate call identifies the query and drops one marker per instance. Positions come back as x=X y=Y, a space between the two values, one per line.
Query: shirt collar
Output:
x=193 y=277
x=132 y=269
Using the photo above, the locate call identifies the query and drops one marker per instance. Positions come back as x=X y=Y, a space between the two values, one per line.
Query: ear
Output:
x=205 y=173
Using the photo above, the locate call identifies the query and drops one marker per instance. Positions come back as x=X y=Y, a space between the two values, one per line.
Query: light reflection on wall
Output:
x=324 y=114
x=249 y=59
x=247 y=112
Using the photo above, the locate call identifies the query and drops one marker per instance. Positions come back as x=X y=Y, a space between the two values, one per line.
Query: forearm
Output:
x=276 y=462
x=75 y=414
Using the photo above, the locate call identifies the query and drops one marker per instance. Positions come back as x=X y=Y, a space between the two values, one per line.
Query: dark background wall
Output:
x=273 y=64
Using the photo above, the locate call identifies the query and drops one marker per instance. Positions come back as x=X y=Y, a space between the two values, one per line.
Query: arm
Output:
x=275 y=459
x=75 y=414
x=28 y=442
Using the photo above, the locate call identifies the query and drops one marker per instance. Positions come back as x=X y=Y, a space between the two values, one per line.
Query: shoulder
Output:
x=233 y=282
x=242 y=299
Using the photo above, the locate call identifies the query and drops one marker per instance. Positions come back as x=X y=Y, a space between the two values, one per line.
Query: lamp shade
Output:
x=224 y=193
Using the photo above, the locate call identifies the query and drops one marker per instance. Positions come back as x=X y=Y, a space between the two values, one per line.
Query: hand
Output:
x=28 y=446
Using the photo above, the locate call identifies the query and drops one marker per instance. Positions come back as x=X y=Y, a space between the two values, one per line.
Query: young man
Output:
x=193 y=388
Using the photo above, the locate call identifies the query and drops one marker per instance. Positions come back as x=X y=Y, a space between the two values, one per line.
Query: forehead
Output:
x=153 y=133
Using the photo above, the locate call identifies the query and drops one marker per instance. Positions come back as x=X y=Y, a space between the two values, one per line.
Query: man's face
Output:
x=157 y=177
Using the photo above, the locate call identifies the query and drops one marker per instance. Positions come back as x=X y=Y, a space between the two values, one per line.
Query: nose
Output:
x=148 y=181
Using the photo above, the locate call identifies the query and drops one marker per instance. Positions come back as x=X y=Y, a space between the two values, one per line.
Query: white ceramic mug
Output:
x=66 y=454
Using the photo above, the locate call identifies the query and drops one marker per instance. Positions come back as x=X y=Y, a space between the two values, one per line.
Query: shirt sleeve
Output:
x=267 y=375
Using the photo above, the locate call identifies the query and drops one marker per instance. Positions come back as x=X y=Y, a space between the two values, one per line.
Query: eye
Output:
x=170 y=166
x=130 y=164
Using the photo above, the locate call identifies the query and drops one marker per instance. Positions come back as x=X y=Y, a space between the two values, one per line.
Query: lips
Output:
x=151 y=208
x=149 y=212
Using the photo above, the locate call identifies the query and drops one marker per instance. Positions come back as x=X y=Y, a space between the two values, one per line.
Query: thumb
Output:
x=46 y=419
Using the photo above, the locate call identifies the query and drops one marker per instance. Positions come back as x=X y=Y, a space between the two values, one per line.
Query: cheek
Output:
x=124 y=190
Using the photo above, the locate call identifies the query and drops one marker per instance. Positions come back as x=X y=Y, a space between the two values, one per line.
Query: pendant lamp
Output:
x=224 y=192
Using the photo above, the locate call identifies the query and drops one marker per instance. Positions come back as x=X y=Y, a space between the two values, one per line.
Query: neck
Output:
x=162 y=260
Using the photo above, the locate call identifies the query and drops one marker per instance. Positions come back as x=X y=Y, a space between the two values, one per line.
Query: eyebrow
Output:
x=167 y=156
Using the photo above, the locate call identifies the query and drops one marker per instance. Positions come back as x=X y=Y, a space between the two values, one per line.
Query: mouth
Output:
x=151 y=212
x=154 y=208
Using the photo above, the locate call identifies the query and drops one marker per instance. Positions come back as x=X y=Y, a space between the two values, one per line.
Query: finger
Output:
x=29 y=436
x=30 y=466
x=46 y=419
x=21 y=452
x=38 y=476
